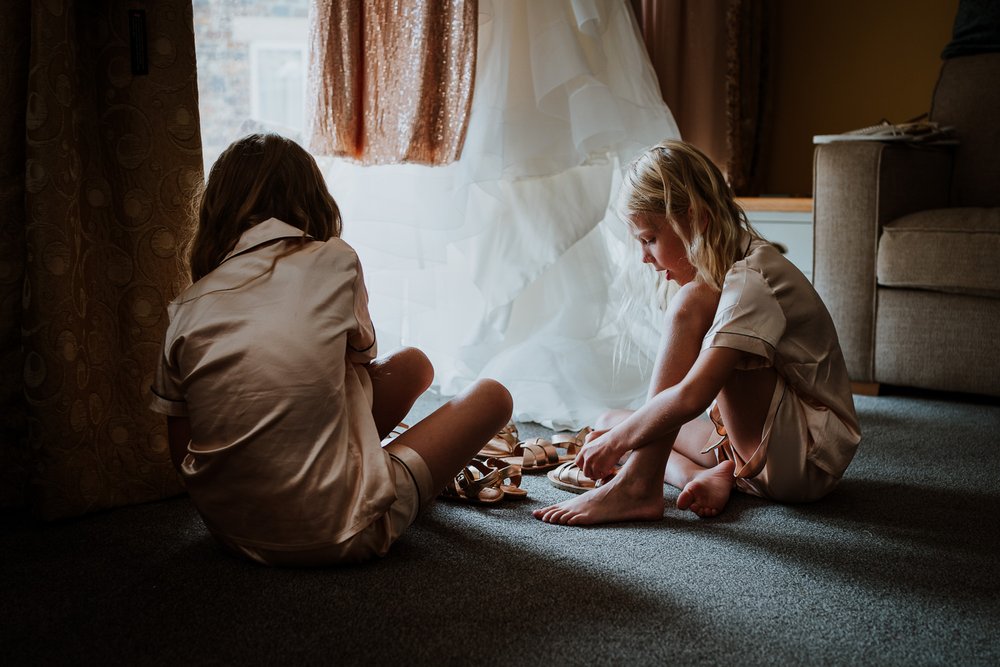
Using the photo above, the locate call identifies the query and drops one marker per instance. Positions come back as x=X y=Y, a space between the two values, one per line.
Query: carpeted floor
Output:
x=899 y=566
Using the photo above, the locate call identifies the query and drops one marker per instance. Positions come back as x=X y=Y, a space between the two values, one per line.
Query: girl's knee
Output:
x=417 y=364
x=611 y=418
x=494 y=396
x=692 y=310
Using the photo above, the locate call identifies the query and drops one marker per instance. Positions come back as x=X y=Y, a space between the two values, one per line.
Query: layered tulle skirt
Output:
x=509 y=263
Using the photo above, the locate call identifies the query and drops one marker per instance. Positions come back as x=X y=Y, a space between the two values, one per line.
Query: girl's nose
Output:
x=646 y=257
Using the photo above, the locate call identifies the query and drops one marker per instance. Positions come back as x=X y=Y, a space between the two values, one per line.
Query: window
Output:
x=252 y=67
x=277 y=84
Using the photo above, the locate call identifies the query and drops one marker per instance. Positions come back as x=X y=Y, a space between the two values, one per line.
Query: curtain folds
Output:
x=713 y=64
x=686 y=41
x=391 y=81
x=110 y=162
x=14 y=52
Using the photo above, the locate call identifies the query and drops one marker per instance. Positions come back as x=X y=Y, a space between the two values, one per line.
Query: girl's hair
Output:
x=678 y=182
x=258 y=177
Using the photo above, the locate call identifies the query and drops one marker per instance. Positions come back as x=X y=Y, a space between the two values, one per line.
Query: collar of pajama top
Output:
x=270 y=230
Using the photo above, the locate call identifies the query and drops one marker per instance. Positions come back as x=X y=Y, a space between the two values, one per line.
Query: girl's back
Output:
x=275 y=402
x=260 y=349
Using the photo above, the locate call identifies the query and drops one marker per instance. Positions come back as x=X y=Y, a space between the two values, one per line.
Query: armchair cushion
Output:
x=946 y=250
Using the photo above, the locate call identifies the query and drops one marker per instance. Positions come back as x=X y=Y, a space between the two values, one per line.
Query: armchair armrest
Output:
x=857 y=187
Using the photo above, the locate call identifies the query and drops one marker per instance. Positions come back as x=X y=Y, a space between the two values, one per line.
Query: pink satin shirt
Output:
x=267 y=366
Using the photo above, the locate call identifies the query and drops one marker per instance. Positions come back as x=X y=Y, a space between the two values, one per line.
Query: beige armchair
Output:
x=906 y=248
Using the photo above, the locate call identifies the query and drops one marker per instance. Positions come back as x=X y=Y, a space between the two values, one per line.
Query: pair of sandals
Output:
x=539 y=454
x=563 y=472
x=494 y=474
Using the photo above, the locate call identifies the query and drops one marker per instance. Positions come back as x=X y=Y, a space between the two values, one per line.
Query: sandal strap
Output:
x=509 y=429
x=572 y=443
x=509 y=472
x=570 y=472
x=541 y=451
x=476 y=476
x=503 y=443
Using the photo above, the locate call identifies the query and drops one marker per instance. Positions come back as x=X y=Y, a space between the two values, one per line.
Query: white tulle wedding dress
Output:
x=505 y=264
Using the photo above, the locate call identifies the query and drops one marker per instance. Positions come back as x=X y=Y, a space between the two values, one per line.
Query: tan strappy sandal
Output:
x=571 y=443
x=509 y=478
x=534 y=455
x=502 y=444
x=476 y=483
x=569 y=477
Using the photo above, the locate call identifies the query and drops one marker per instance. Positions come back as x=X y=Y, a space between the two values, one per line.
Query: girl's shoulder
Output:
x=335 y=244
x=695 y=291
x=766 y=260
x=335 y=252
x=332 y=249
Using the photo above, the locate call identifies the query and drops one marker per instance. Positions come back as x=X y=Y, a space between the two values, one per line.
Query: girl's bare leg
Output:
x=451 y=435
x=705 y=484
x=636 y=492
x=398 y=380
x=743 y=403
x=686 y=462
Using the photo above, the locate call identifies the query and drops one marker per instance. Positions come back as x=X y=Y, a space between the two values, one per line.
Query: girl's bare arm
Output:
x=662 y=415
x=178 y=437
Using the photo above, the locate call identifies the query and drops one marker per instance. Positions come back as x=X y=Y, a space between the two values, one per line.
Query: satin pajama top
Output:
x=263 y=358
x=770 y=310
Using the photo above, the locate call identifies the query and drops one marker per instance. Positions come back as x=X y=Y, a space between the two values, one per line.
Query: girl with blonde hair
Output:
x=746 y=339
x=275 y=400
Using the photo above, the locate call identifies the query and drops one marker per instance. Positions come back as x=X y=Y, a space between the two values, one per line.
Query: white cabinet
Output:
x=787 y=221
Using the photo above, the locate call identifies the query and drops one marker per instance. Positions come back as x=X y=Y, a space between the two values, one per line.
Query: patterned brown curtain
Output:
x=391 y=81
x=14 y=52
x=711 y=58
x=96 y=193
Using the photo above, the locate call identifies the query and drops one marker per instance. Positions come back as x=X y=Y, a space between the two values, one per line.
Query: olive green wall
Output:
x=844 y=64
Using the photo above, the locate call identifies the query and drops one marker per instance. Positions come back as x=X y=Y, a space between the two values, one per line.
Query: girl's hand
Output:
x=599 y=455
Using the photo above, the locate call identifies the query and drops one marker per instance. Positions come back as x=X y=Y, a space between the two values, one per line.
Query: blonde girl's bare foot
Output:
x=707 y=494
x=618 y=500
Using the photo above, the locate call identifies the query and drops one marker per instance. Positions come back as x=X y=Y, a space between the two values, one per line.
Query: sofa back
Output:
x=967 y=97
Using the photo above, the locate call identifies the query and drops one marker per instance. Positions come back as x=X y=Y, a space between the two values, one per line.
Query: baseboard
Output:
x=865 y=388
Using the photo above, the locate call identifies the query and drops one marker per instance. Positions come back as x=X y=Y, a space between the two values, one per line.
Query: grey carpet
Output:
x=898 y=566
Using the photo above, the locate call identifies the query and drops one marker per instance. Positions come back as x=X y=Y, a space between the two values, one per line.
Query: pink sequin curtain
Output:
x=391 y=81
